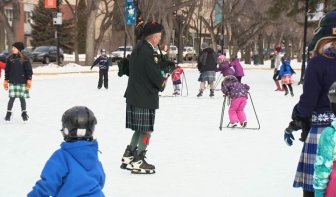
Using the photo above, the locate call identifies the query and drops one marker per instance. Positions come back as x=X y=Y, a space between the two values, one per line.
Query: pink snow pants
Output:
x=236 y=110
x=331 y=188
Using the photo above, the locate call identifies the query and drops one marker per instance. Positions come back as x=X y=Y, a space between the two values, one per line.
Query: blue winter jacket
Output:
x=285 y=69
x=73 y=170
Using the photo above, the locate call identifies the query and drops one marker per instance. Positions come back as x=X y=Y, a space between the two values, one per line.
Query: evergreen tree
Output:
x=81 y=25
x=43 y=29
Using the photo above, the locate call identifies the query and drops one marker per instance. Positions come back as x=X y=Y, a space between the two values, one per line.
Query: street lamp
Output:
x=303 y=67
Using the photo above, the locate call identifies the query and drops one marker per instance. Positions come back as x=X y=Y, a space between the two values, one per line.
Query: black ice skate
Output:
x=212 y=93
x=200 y=93
x=24 y=115
x=8 y=116
x=140 y=166
x=127 y=158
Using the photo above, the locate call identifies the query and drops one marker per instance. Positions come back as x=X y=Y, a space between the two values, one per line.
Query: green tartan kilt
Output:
x=140 y=119
x=18 y=91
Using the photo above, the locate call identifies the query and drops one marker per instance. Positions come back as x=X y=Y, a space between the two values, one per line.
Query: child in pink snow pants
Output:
x=237 y=92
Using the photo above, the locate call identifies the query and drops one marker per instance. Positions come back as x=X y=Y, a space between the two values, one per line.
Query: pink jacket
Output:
x=177 y=73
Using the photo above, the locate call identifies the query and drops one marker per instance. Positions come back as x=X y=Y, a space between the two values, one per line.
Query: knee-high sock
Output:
x=143 y=141
x=135 y=140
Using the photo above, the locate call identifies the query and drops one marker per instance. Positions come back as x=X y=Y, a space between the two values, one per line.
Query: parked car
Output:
x=172 y=52
x=47 y=54
x=4 y=54
x=189 y=53
x=119 y=53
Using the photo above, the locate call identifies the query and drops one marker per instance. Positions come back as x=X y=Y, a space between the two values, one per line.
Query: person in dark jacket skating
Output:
x=74 y=169
x=18 y=77
x=142 y=98
x=104 y=62
x=312 y=113
x=207 y=65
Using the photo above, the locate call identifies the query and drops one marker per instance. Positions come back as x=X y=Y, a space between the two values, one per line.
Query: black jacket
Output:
x=17 y=73
x=207 y=60
x=145 y=80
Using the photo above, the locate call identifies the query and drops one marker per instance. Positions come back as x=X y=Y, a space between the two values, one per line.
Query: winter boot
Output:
x=292 y=93
x=127 y=158
x=233 y=125
x=8 y=115
x=277 y=83
x=200 y=93
x=24 y=115
x=140 y=166
x=212 y=93
x=286 y=92
x=244 y=124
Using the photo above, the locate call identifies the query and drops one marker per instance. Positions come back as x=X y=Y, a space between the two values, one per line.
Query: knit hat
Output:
x=278 y=49
x=19 y=46
x=152 y=28
x=325 y=30
x=221 y=59
x=204 y=45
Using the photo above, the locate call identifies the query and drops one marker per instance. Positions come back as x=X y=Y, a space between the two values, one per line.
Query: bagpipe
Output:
x=166 y=65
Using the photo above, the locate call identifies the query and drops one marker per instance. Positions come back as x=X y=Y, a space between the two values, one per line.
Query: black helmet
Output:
x=78 y=123
x=332 y=97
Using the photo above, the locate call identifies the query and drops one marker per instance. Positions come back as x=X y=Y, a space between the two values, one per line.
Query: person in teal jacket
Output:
x=74 y=169
x=324 y=166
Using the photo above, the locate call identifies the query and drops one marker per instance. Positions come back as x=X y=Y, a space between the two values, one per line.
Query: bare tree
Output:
x=11 y=29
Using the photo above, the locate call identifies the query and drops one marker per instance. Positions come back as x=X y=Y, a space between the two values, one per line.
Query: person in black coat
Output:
x=207 y=65
x=18 y=76
x=142 y=98
x=104 y=62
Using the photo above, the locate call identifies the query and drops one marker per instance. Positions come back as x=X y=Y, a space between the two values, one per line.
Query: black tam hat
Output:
x=152 y=28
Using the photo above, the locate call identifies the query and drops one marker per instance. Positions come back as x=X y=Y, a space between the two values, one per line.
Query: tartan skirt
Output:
x=18 y=91
x=287 y=79
x=208 y=76
x=140 y=119
x=305 y=169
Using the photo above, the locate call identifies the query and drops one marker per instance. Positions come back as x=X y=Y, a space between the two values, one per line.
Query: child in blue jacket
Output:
x=286 y=74
x=74 y=169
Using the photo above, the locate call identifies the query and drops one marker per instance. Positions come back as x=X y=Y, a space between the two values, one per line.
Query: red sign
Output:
x=50 y=3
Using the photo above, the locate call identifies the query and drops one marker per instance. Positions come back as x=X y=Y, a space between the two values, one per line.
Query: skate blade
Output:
x=126 y=166
x=142 y=171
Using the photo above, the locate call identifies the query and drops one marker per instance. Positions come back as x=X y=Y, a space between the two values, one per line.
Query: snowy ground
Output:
x=193 y=158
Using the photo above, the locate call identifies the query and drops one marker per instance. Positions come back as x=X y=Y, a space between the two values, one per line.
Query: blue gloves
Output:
x=288 y=137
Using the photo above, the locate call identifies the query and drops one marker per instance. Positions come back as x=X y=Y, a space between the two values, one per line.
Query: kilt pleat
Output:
x=140 y=119
x=18 y=91
x=305 y=169
x=209 y=76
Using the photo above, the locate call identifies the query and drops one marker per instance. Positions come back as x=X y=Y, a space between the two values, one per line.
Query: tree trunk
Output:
x=90 y=32
x=247 y=55
x=261 y=49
